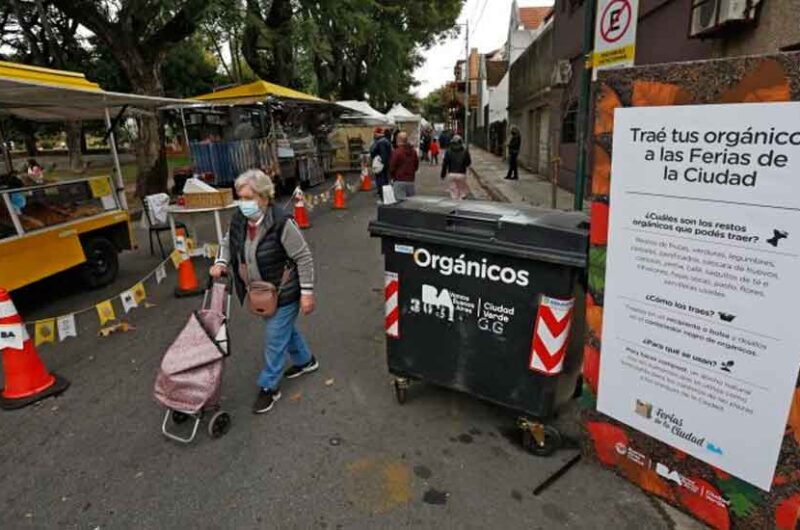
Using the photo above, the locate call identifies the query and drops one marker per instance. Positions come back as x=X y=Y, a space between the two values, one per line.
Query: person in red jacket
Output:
x=403 y=167
x=435 y=152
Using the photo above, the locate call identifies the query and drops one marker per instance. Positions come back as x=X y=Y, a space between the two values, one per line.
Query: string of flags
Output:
x=320 y=199
x=60 y=328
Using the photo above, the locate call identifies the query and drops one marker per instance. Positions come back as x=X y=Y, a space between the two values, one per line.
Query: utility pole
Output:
x=466 y=91
x=583 y=103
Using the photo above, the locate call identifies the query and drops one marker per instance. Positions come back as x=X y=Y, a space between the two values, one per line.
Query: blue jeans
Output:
x=282 y=336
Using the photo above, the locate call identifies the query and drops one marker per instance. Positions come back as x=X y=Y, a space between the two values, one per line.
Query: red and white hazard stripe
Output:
x=551 y=335
x=7 y=309
x=392 y=297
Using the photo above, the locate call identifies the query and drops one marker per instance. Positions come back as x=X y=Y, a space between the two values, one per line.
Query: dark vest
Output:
x=270 y=256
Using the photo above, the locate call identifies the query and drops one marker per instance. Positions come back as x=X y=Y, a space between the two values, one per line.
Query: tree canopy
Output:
x=337 y=49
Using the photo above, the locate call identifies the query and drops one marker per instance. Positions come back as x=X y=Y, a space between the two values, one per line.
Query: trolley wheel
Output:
x=219 y=424
x=400 y=391
x=550 y=444
x=179 y=417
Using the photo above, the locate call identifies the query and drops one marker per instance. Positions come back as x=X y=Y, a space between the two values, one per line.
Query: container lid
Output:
x=500 y=228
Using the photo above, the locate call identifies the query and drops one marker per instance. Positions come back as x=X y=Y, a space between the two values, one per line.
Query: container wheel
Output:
x=219 y=424
x=400 y=392
x=102 y=264
x=550 y=443
x=179 y=417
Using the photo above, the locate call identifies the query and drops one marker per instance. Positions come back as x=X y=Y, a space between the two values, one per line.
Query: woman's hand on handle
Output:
x=218 y=270
x=307 y=304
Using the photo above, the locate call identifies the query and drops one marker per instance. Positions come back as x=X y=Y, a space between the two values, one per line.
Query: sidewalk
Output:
x=533 y=189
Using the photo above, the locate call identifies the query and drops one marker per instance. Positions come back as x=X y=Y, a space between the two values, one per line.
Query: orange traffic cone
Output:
x=300 y=212
x=187 y=279
x=26 y=377
x=338 y=194
x=366 y=181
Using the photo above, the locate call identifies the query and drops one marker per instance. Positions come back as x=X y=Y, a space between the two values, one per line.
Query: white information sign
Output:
x=615 y=33
x=701 y=340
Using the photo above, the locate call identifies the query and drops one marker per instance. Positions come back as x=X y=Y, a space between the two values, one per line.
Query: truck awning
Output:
x=44 y=94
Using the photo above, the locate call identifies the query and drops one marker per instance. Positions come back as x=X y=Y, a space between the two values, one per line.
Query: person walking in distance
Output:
x=403 y=167
x=435 y=151
x=381 y=155
x=264 y=244
x=424 y=144
x=455 y=165
x=513 y=154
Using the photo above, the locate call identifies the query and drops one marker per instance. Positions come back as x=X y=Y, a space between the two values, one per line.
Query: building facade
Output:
x=533 y=100
x=664 y=35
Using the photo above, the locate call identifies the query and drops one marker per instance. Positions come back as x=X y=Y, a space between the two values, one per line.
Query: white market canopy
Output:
x=364 y=113
x=401 y=114
x=43 y=94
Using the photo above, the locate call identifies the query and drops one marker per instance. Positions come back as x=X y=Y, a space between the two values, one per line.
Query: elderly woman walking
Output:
x=264 y=244
x=455 y=166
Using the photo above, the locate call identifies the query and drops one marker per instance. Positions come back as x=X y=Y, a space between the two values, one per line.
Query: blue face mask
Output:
x=249 y=209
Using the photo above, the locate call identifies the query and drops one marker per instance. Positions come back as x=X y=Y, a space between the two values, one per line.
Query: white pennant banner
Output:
x=66 y=327
x=161 y=274
x=128 y=301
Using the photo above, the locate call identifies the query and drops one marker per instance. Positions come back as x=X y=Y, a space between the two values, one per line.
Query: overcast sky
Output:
x=488 y=27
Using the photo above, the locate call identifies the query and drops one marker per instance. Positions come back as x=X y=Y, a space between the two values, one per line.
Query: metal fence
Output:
x=227 y=160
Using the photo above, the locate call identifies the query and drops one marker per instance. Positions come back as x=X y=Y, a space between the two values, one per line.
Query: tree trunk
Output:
x=151 y=160
x=29 y=137
x=74 y=135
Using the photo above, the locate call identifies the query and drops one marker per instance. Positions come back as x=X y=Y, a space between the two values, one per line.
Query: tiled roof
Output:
x=532 y=17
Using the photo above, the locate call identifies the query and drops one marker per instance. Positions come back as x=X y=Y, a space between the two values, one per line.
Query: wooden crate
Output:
x=211 y=199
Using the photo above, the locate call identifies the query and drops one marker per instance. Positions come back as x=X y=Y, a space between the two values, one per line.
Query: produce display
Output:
x=44 y=206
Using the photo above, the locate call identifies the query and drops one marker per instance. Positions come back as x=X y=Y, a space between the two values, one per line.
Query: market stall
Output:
x=53 y=226
x=353 y=135
x=260 y=125
x=407 y=121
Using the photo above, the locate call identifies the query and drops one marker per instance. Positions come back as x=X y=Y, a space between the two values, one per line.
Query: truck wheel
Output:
x=101 y=265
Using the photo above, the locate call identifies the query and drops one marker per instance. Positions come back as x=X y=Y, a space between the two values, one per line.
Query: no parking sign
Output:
x=615 y=34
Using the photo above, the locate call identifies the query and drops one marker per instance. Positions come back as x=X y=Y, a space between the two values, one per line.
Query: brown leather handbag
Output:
x=262 y=297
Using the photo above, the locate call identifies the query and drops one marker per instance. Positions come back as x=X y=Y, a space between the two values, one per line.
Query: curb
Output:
x=489 y=188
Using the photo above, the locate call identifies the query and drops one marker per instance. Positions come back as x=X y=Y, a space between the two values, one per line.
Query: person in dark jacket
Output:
x=455 y=165
x=381 y=148
x=424 y=144
x=404 y=166
x=513 y=153
x=444 y=140
x=262 y=243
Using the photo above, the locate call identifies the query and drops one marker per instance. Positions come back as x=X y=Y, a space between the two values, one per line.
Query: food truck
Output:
x=51 y=227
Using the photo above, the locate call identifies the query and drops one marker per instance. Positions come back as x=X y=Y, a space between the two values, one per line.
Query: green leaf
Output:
x=597 y=269
x=743 y=497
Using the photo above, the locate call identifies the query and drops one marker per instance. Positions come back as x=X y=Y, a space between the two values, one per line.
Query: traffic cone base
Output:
x=366 y=182
x=338 y=200
x=57 y=386
x=26 y=377
x=187 y=280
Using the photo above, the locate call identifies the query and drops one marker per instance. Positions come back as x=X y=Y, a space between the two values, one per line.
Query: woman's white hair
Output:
x=258 y=181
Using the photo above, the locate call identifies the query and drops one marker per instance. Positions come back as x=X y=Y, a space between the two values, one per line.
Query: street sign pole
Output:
x=583 y=104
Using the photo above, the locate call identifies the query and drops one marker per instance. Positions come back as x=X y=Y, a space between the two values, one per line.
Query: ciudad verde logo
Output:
x=460 y=266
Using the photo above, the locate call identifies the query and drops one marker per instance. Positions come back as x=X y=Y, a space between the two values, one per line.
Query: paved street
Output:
x=336 y=452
